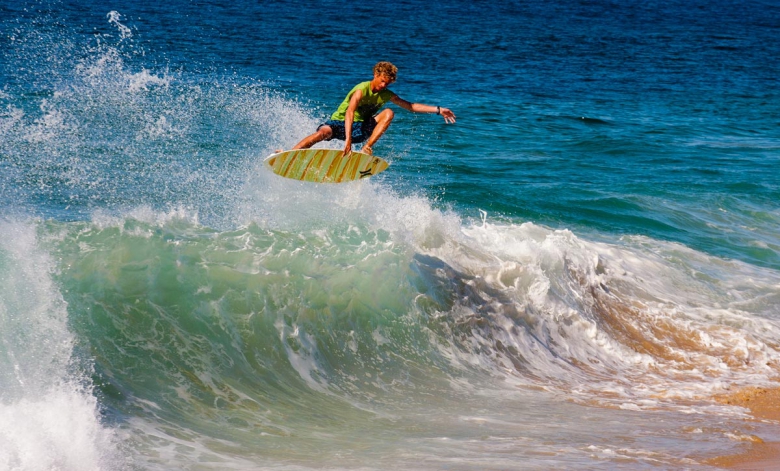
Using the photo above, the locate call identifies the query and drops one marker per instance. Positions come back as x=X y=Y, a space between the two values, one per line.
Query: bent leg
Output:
x=383 y=120
x=324 y=132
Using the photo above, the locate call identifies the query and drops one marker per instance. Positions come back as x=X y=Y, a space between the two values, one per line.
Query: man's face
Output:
x=380 y=82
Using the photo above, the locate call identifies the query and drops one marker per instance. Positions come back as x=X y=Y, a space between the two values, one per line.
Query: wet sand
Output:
x=764 y=404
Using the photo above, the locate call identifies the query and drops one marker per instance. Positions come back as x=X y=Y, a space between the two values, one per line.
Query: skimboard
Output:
x=324 y=165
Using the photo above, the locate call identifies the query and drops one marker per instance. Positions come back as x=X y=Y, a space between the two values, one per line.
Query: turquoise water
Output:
x=562 y=279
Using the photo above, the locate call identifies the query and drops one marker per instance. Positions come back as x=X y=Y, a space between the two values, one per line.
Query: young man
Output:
x=357 y=118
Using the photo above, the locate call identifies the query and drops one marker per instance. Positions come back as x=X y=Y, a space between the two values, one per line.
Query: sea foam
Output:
x=49 y=418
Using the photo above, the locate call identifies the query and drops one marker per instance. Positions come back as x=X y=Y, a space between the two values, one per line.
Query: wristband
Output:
x=438 y=110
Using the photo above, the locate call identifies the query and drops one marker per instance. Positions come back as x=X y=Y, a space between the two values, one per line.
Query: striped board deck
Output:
x=324 y=165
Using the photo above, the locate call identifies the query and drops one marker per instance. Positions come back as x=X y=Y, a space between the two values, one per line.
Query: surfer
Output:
x=358 y=119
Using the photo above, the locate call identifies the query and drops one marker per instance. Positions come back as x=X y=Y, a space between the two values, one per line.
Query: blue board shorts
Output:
x=361 y=130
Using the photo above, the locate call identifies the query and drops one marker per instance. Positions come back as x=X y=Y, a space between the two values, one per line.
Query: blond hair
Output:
x=387 y=69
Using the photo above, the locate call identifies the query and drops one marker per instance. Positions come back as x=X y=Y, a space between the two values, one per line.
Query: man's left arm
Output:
x=446 y=113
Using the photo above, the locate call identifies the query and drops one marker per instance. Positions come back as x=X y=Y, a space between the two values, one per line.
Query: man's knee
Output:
x=324 y=132
x=386 y=115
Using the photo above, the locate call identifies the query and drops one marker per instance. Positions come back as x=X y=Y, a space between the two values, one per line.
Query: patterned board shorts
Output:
x=361 y=130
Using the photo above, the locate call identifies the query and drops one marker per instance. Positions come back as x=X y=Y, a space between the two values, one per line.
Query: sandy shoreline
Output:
x=764 y=404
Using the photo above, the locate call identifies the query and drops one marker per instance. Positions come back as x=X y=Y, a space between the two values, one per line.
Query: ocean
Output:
x=565 y=278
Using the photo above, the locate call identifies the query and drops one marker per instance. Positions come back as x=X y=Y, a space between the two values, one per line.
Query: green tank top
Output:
x=368 y=105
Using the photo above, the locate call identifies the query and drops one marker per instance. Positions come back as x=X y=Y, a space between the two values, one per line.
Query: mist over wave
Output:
x=102 y=132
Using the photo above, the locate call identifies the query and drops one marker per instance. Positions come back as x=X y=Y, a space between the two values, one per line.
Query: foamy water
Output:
x=49 y=418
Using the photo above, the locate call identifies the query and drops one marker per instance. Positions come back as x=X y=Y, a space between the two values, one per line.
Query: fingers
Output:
x=448 y=115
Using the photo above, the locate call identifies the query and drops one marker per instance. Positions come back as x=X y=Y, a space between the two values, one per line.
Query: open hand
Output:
x=447 y=114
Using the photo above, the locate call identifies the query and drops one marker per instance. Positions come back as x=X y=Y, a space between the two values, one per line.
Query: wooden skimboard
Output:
x=324 y=165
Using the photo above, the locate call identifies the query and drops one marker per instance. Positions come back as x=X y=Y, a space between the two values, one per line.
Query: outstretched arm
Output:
x=446 y=113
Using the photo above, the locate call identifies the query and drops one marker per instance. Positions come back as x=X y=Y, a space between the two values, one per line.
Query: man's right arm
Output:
x=349 y=118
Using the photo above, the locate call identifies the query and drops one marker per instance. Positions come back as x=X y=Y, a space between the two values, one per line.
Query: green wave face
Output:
x=250 y=333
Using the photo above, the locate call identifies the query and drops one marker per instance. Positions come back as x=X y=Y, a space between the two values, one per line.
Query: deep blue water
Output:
x=612 y=163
